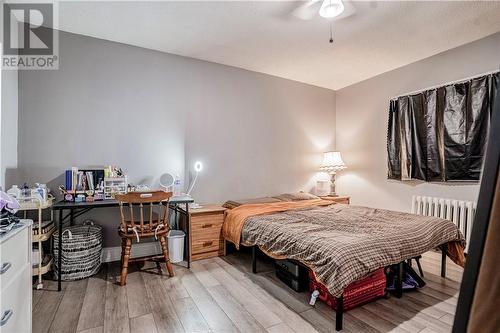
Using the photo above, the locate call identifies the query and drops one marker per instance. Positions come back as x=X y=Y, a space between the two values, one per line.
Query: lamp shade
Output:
x=332 y=161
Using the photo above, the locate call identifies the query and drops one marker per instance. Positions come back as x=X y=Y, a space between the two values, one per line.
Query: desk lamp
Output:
x=198 y=166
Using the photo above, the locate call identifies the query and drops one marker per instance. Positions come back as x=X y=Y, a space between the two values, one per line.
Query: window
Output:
x=441 y=134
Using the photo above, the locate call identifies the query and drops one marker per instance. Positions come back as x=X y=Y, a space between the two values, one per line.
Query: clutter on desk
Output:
x=167 y=181
x=84 y=179
x=113 y=171
x=138 y=188
x=114 y=185
x=87 y=185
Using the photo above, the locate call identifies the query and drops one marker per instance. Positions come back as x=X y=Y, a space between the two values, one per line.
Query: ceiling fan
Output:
x=330 y=9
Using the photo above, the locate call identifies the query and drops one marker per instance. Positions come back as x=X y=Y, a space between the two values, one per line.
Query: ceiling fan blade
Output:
x=307 y=10
x=349 y=9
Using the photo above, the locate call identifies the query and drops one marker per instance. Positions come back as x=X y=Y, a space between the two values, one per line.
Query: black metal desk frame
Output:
x=77 y=209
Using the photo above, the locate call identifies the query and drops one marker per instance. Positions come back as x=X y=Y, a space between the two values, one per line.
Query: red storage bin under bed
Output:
x=357 y=293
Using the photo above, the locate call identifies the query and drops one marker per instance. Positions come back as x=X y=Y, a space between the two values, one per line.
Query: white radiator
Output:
x=458 y=211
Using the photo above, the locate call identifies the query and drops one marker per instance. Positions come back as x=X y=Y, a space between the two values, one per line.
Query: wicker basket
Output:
x=81 y=252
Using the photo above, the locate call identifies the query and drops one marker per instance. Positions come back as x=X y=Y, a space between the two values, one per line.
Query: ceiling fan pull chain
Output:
x=331 y=33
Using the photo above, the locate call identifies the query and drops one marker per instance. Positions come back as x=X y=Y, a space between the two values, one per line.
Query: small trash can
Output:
x=176 y=245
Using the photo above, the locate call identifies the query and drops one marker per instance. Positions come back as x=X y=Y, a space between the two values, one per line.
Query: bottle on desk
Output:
x=42 y=191
x=177 y=185
x=14 y=191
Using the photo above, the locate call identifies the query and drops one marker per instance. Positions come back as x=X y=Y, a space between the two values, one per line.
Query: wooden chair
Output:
x=152 y=221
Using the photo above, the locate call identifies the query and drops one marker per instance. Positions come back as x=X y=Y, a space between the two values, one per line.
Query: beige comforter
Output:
x=340 y=243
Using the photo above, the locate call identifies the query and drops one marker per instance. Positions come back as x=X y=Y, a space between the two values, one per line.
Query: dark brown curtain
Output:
x=441 y=134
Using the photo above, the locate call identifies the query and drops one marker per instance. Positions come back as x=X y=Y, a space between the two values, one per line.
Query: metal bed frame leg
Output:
x=339 y=313
x=420 y=270
x=443 y=262
x=187 y=240
x=254 y=259
x=399 y=281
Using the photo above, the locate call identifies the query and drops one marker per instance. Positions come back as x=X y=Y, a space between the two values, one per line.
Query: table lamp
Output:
x=332 y=162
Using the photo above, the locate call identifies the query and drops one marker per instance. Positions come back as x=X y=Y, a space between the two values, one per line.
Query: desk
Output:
x=78 y=208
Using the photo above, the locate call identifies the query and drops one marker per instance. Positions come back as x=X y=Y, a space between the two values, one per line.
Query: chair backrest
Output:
x=153 y=210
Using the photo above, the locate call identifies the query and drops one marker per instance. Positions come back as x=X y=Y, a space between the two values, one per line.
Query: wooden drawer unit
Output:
x=205 y=232
x=203 y=223
x=342 y=199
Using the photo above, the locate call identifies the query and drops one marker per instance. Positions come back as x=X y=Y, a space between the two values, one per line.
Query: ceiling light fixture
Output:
x=331 y=8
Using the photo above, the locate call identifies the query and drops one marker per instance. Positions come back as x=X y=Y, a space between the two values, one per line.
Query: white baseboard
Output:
x=110 y=254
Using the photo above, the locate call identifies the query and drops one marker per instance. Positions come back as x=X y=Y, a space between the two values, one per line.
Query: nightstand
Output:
x=205 y=232
x=338 y=199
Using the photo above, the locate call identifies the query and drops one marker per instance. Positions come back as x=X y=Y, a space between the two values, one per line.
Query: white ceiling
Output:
x=262 y=36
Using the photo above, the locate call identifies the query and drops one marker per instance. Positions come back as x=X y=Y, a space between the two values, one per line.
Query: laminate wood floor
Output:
x=222 y=295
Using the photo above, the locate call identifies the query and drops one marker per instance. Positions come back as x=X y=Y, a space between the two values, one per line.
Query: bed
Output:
x=339 y=243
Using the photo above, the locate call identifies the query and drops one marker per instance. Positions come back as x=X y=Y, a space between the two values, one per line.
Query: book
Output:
x=67 y=175
x=80 y=181
x=74 y=178
x=90 y=180
x=83 y=179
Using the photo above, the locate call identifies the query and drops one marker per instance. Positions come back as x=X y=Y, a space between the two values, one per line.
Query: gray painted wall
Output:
x=8 y=126
x=256 y=134
x=8 y=118
x=152 y=112
x=362 y=111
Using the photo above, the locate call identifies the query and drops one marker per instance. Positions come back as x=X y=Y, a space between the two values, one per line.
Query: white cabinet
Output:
x=15 y=279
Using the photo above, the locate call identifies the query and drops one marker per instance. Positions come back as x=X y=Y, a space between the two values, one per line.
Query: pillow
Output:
x=296 y=196
x=236 y=203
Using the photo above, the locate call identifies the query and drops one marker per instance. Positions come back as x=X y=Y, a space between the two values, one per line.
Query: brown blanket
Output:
x=236 y=217
x=340 y=243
